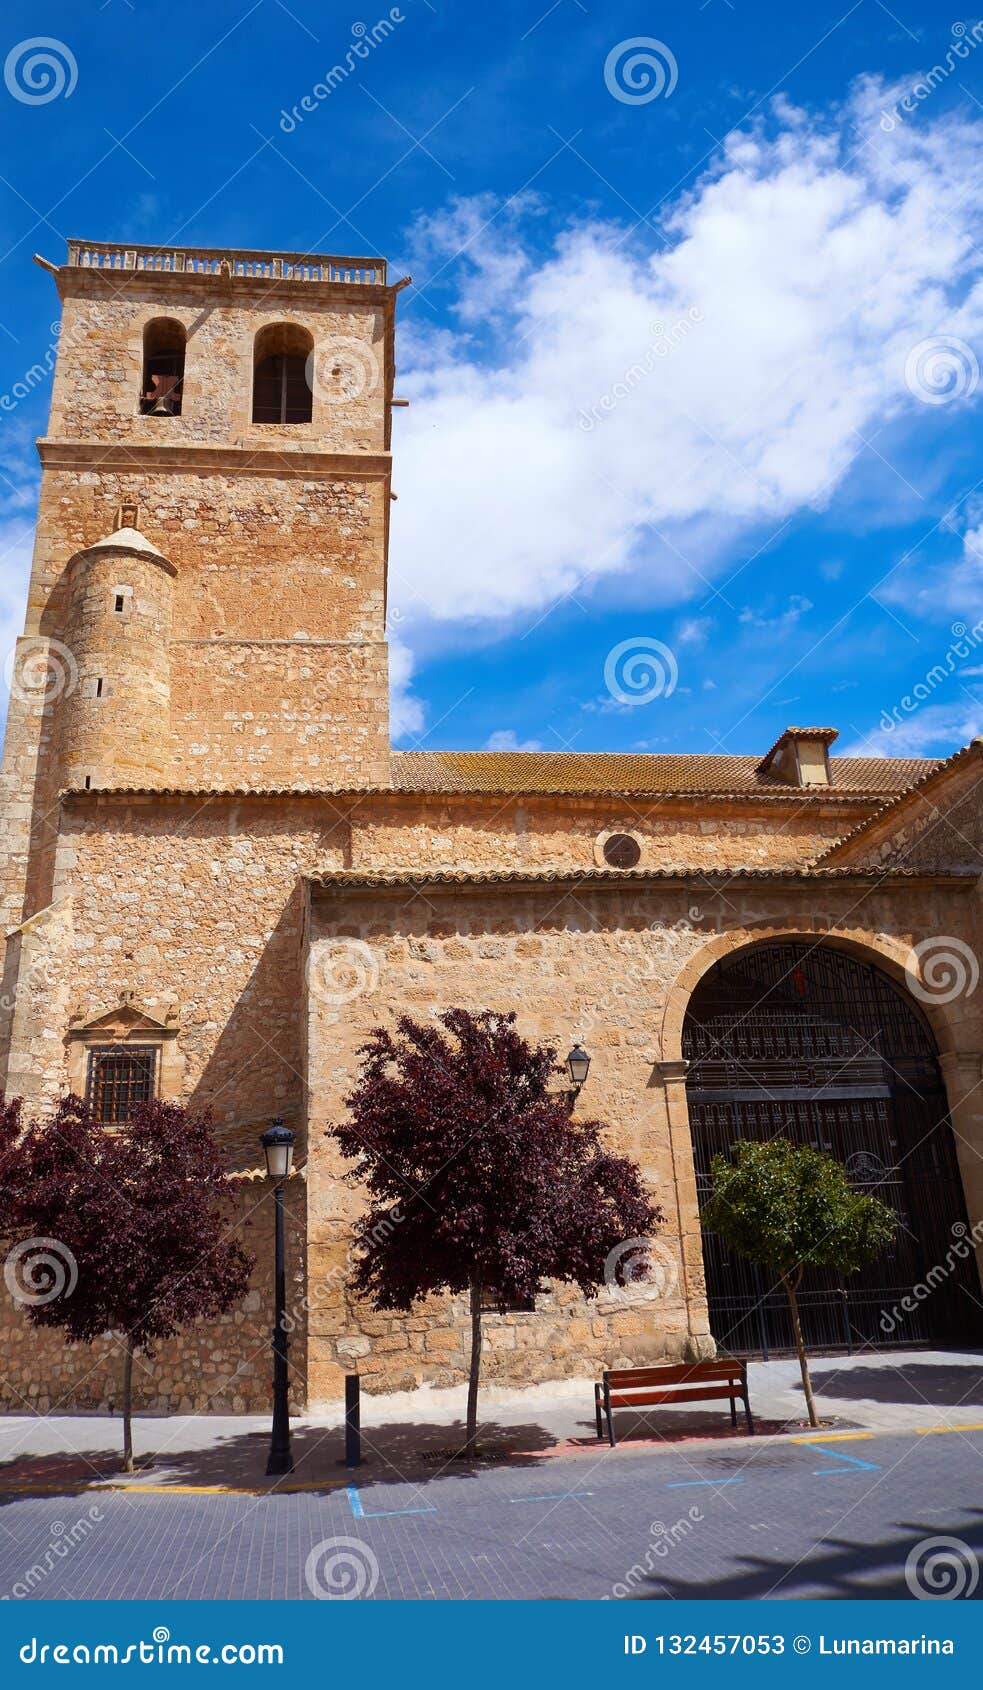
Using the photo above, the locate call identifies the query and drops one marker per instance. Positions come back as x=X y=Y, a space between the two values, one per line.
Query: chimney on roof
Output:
x=800 y=757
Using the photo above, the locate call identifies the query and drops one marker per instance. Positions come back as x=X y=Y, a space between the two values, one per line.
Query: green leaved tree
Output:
x=788 y=1207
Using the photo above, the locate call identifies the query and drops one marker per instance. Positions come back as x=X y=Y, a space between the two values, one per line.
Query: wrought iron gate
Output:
x=809 y=1043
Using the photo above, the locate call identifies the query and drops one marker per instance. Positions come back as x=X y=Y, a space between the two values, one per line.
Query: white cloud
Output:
x=804 y=267
x=934 y=730
x=406 y=713
x=955 y=586
x=693 y=630
x=505 y=739
x=18 y=497
x=797 y=607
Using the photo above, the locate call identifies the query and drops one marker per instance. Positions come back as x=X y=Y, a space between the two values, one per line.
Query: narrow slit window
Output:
x=119 y=604
x=120 y=1077
x=99 y=687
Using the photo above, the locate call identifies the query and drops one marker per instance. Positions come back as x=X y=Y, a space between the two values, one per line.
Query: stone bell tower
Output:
x=207 y=600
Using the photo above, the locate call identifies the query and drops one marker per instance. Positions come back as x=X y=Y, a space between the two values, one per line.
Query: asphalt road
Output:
x=781 y=1519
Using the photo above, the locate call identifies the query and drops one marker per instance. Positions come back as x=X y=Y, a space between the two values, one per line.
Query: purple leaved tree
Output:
x=479 y=1179
x=119 y=1230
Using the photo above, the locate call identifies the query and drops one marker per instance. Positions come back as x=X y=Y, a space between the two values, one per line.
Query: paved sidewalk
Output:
x=765 y=1517
x=412 y=1431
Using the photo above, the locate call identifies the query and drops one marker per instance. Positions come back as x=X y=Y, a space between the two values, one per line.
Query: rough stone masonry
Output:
x=210 y=851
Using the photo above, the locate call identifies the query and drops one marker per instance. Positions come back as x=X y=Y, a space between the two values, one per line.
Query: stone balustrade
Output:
x=285 y=266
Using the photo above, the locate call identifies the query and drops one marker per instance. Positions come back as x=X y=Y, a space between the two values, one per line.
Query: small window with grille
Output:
x=120 y=1077
x=493 y=1302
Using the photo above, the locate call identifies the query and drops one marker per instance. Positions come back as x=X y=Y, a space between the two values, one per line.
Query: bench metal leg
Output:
x=597 y=1411
x=749 y=1415
x=733 y=1411
x=610 y=1417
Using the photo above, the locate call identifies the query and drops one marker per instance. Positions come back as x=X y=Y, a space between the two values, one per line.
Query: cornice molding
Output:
x=709 y=883
x=73 y=280
x=207 y=460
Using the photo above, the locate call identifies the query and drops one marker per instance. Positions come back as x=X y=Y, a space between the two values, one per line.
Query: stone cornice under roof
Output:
x=689 y=878
x=256 y=457
x=938 y=774
x=787 y=795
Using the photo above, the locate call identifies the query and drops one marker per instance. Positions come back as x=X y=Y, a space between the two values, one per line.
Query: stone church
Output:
x=217 y=875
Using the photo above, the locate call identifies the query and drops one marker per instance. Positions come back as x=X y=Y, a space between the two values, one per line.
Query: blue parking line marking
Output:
x=685 y=1484
x=822 y=1472
x=360 y=1513
x=552 y=1496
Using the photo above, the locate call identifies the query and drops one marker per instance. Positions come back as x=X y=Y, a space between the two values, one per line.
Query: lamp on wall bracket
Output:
x=577 y=1066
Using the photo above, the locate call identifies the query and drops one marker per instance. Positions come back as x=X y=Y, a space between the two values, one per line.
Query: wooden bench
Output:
x=698 y=1381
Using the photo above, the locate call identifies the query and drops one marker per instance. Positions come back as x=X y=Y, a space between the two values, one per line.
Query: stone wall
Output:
x=222 y=1367
x=598 y=963
x=547 y=832
x=199 y=903
x=939 y=824
x=97 y=384
x=114 y=720
x=277 y=661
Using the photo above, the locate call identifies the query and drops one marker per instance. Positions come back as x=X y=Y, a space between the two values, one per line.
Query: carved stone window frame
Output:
x=128 y=1022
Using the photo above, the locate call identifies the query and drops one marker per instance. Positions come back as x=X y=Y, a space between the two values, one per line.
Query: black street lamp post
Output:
x=278 y=1147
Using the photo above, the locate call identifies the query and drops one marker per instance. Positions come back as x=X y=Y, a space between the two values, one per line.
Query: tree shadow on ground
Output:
x=412 y=1452
x=932 y=1383
x=842 y=1568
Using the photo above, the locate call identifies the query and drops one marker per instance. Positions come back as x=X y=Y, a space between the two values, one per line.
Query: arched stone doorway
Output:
x=800 y=1039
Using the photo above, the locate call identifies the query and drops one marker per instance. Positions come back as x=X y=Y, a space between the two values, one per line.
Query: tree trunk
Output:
x=791 y=1288
x=128 y=1405
x=475 y=1367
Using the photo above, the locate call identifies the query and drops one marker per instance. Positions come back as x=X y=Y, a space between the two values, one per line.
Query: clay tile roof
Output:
x=607 y=774
x=640 y=775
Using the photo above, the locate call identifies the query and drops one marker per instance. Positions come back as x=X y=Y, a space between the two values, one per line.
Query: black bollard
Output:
x=353 y=1425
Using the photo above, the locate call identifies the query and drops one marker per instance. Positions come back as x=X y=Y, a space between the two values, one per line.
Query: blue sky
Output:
x=693 y=343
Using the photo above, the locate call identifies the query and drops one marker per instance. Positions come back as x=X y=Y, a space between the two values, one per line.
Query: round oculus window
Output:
x=621 y=851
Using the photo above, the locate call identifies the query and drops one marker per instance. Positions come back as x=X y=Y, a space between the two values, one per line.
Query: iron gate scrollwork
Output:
x=807 y=1042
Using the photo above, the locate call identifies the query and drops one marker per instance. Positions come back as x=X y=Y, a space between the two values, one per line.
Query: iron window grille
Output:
x=120 y=1077
x=493 y=1302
